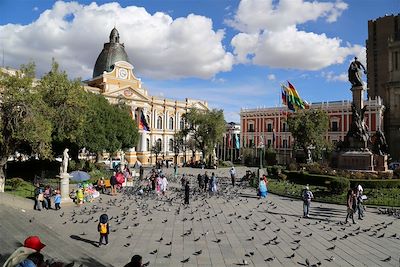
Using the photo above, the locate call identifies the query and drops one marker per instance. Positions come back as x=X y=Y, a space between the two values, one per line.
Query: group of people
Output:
x=354 y=203
x=44 y=196
x=159 y=182
x=205 y=182
x=29 y=255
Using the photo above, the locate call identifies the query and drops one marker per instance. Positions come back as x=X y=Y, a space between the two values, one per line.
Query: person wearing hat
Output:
x=28 y=255
x=307 y=196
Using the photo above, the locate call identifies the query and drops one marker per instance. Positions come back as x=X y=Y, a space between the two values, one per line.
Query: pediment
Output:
x=128 y=93
x=199 y=105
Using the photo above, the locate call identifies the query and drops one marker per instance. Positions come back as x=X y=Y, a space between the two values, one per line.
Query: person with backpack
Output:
x=103 y=228
x=307 y=196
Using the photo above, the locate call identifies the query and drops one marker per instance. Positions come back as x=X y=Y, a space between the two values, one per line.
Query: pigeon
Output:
x=307 y=262
x=331 y=248
x=154 y=252
x=161 y=239
x=296 y=248
x=185 y=260
x=267 y=243
x=127 y=245
x=198 y=252
x=393 y=236
x=244 y=262
x=296 y=241
x=269 y=259
x=277 y=230
x=330 y=259
x=333 y=239
x=275 y=238
x=382 y=235
x=387 y=259
x=291 y=256
x=169 y=243
x=251 y=238
x=168 y=255
x=197 y=239
x=310 y=234
x=217 y=241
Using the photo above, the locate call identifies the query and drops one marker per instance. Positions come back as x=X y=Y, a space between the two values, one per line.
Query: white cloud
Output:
x=35 y=8
x=332 y=77
x=271 y=77
x=258 y=15
x=157 y=45
x=269 y=34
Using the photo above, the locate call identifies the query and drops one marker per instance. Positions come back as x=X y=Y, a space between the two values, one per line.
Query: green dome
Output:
x=111 y=53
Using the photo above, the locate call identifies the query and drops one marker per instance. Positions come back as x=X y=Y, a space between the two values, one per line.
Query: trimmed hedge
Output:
x=394 y=183
x=338 y=184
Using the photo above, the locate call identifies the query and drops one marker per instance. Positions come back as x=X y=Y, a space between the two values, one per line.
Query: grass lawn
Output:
x=379 y=197
x=26 y=190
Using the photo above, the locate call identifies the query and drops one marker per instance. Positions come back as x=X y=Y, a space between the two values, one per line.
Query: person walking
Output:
x=213 y=183
x=351 y=205
x=307 y=196
x=114 y=182
x=57 y=200
x=136 y=261
x=141 y=172
x=206 y=181
x=187 y=193
x=164 y=184
x=233 y=175
x=47 y=196
x=360 y=207
x=103 y=228
x=38 y=197
x=262 y=188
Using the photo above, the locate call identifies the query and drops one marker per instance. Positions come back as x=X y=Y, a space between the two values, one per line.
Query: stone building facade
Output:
x=268 y=126
x=383 y=67
x=114 y=78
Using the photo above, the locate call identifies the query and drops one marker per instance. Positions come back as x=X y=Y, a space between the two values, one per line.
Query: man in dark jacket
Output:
x=113 y=182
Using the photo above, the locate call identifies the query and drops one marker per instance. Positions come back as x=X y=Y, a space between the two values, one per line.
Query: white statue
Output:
x=64 y=164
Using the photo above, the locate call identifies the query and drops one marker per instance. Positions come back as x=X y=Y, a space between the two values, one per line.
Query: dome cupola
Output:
x=112 y=52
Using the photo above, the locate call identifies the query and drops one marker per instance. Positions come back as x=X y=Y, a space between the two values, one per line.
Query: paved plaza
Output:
x=233 y=228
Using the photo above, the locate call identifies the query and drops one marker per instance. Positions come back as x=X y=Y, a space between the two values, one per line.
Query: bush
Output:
x=15 y=183
x=320 y=180
x=292 y=166
x=338 y=185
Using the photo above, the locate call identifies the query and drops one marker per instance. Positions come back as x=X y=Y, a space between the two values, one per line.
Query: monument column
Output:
x=358 y=96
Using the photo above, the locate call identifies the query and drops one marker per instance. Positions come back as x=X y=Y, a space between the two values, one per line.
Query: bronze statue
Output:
x=355 y=74
x=380 y=145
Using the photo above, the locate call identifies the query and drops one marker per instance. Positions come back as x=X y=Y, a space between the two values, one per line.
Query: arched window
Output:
x=171 y=145
x=171 y=123
x=182 y=124
x=147 y=144
x=158 y=144
x=159 y=122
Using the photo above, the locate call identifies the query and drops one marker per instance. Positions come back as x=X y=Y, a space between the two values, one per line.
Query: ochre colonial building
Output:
x=113 y=77
x=268 y=126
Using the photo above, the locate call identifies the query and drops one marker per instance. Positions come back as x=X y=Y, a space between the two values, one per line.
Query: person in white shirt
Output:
x=233 y=175
x=164 y=184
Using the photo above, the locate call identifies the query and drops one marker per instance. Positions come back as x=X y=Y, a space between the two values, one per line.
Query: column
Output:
x=143 y=136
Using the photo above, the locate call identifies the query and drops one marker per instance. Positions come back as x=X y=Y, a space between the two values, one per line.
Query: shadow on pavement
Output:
x=75 y=237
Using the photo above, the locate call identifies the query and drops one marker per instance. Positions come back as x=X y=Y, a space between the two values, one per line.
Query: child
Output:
x=57 y=200
x=103 y=228
x=187 y=191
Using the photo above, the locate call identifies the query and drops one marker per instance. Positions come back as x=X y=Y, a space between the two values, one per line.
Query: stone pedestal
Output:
x=64 y=187
x=356 y=160
x=381 y=163
x=358 y=96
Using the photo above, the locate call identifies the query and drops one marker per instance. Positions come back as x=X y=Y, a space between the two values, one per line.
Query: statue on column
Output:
x=355 y=74
x=64 y=163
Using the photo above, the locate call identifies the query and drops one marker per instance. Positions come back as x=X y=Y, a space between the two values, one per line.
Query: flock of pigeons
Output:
x=261 y=223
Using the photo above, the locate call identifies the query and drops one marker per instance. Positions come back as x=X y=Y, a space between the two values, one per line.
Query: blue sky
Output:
x=233 y=54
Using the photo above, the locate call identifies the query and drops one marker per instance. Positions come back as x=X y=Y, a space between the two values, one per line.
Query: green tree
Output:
x=309 y=128
x=156 y=149
x=107 y=127
x=206 y=128
x=24 y=124
x=67 y=108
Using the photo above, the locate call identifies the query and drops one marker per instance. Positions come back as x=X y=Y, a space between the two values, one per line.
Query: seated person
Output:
x=100 y=185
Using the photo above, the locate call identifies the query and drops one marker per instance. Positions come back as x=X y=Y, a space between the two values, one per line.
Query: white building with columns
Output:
x=114 y=78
